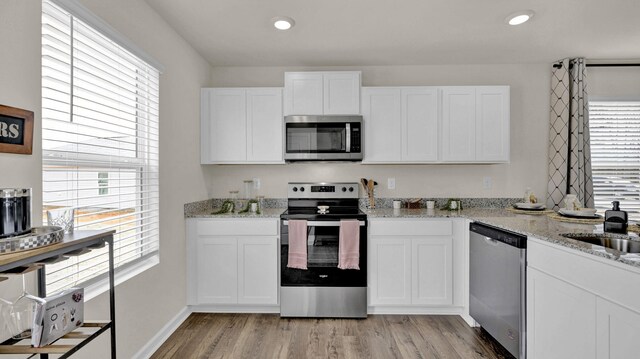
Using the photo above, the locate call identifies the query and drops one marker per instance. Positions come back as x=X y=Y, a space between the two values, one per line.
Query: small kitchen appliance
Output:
x=323 y=290
x=323 y=138
x=15 y=211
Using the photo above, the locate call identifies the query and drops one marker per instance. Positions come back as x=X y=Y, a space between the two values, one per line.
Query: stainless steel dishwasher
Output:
x=497 y=285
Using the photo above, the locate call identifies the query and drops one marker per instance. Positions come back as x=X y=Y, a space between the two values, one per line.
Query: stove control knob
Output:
x=301 y=189
x=295 y=189
x=344 y=189
x=350 y=189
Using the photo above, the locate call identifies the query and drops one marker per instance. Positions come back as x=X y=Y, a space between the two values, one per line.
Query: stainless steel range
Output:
x=323 y=290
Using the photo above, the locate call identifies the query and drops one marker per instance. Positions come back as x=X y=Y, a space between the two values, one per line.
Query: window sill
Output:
x=102 y=286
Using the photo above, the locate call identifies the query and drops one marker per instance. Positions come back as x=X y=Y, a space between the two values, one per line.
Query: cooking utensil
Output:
x=370 y=185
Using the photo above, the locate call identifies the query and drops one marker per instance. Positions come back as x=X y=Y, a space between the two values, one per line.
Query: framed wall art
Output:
x=16 y=130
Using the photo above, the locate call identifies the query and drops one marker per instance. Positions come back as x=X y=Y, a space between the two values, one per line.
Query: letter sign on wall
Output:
x=16 y=130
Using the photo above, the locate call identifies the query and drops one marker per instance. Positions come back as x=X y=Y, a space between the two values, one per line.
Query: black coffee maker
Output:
x=15 y=211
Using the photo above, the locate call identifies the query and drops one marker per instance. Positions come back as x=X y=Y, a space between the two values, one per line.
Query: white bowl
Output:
x=525 y=205
x=584 y=212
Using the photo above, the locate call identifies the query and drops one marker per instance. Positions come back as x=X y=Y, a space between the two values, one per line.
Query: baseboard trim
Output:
x=154 y=344
x=221 y=308
x=409 y=310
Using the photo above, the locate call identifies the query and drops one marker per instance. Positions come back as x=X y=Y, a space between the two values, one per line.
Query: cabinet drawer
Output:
x=237 y=227
x=411 y=227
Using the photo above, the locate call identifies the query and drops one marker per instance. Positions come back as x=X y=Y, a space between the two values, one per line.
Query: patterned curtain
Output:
x=569 y=146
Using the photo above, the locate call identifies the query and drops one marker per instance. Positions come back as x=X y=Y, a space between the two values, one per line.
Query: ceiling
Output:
x=403 y=32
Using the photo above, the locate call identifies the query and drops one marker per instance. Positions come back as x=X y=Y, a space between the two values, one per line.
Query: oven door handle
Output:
x=325 y=223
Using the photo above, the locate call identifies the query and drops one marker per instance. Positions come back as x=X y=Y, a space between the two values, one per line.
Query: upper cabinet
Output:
x=322 y=93
x=401 y=124
x=475 y=124
x=453 y=124
x=241 y=125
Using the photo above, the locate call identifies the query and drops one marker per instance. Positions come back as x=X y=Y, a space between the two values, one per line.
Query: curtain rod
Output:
x=559 y=65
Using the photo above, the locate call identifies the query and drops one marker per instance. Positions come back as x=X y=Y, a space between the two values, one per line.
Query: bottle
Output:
x=615 y=220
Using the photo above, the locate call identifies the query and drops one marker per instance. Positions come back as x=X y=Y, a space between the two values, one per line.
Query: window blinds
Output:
x=100 y=143
x=615 y=154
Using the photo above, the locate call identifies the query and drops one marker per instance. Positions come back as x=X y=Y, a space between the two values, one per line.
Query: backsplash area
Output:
x=215 y=203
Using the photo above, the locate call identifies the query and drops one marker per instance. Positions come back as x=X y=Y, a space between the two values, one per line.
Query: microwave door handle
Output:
x=348 y=134
x=325 y=223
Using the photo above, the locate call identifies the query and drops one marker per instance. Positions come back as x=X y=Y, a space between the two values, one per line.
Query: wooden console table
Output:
x=36 y=259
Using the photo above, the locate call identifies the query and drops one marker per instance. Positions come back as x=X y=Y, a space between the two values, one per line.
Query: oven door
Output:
x=322 y=258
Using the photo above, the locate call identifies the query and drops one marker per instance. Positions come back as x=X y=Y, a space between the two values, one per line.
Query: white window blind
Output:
x=615 y=154
x=100 y=143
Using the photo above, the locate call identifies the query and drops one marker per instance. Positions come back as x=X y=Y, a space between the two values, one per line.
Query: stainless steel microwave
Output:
x=323 y=138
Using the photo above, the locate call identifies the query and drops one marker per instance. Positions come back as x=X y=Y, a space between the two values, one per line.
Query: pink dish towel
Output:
x=349 y=244
x=297 y=244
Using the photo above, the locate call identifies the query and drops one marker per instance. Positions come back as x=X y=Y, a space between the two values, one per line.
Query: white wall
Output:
x=147 y=302
x=529 y=135
x=20 y=87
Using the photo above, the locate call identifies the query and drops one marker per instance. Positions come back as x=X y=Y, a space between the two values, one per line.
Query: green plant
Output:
x=227 y=207
x=447 y=207
x=246 y=208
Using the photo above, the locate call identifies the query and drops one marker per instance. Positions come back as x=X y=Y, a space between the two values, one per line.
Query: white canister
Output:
x=431 y=204
x=253 y=207
x=397 y=204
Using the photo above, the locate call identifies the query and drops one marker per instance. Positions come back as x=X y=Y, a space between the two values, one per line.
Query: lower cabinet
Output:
x=561 y=321
x=411 y=263
x=618 y=330
x=229 y=268
x=580 y=306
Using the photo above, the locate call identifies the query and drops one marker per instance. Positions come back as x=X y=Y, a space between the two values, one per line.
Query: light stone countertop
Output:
x=538 y=226
x=207 y=213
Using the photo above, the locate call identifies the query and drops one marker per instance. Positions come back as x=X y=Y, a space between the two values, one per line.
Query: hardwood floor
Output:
x=379 y=336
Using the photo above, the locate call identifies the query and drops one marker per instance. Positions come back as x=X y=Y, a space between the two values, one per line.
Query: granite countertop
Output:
x=539 y=226
x=207 y=213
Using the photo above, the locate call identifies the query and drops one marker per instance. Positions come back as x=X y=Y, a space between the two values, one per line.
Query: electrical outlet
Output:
x=256 y=183
x=486 y=183
x=391 y=183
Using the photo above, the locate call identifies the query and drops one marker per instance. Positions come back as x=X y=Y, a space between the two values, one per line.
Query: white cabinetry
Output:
x=411 y=264
x=241 y=125
x=322 y=93
x=401 y=124
x=579 y=305
x=475 y=124
x=454 y=124
x=561 y=323
x=232 y=263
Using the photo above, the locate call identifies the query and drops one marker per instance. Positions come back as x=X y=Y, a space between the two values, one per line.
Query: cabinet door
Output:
x=264 y=125
x=217 y=270
x=458 y=124
x=432 y=270
x=258 y=270
x=492 y=123
x=561 y=319
x=303 y=92
x=389 y=270
x=342 y=93
x=618 y=331
x=382 y=112
x=227 y=125
x=420 y=124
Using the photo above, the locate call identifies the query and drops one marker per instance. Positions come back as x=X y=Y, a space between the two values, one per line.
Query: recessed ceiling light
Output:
x=519 y=17
x=283 y=22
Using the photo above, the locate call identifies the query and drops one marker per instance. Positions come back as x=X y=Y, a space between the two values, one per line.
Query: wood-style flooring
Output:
x=379 y=336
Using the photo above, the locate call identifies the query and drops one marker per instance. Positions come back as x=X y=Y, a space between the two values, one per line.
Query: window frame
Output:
x=99 y=284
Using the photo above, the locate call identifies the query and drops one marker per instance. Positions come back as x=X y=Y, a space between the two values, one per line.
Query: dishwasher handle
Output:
x=498 y=234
